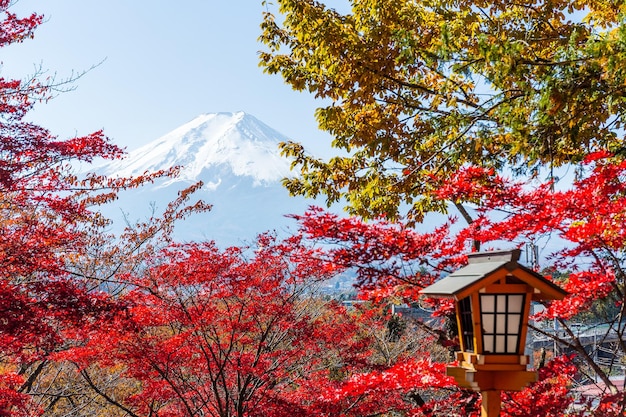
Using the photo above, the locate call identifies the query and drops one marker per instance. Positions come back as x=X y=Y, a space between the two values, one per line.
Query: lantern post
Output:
x=492 y=295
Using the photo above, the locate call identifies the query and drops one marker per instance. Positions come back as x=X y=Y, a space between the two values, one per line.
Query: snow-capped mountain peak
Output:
x=234 y=142
x=237 y=158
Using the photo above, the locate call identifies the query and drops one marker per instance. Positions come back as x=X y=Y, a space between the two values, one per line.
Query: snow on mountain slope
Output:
x=238 y=141
x=237 y=158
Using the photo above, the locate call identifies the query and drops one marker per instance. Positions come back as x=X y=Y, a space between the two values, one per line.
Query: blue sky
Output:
x=161 y=63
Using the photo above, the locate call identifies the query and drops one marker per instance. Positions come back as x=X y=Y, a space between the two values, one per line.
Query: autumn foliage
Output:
x=411 y=89
x=46 y=222
x=230 y=333
x=138 y=325
x=393 y=262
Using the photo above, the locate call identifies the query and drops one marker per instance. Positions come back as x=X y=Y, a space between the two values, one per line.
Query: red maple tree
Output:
x=46 y=222
x=238 y=333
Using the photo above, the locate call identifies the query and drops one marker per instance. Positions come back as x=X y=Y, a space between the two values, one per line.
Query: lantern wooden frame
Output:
x=483 y=366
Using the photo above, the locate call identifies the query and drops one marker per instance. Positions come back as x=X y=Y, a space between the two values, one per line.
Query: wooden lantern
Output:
x=492 y=297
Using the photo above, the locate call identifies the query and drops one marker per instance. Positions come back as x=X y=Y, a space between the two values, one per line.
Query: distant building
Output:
x=411 y=312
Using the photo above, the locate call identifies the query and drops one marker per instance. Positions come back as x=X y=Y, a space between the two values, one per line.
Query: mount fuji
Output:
x=236 y=156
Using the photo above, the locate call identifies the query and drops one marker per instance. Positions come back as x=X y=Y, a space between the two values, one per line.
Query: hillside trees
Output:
x=47 y=223
x=417 y=89
x=60 y=387
x=231 y=332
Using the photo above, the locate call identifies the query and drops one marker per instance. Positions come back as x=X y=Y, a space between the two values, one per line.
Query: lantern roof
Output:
x=486 y=268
